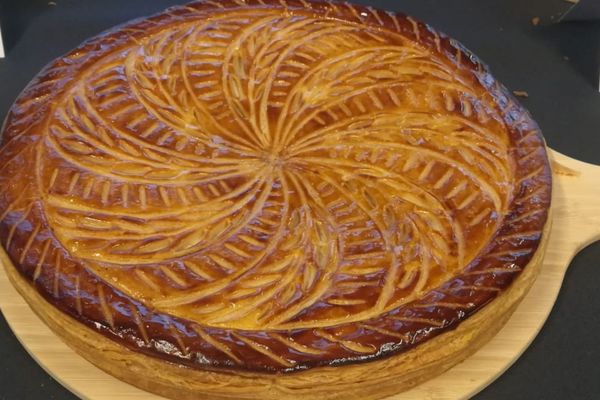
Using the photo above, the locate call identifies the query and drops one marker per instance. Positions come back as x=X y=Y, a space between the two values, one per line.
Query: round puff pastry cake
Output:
x=272 y=198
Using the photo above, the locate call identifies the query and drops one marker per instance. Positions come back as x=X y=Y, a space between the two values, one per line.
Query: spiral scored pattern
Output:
x=264 y=169
x=282 y=180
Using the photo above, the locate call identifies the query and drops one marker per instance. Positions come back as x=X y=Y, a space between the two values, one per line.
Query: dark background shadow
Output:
x=567 y=38
x=15 y=17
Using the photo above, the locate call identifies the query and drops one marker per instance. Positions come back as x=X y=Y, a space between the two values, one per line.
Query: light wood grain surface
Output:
x=576 y=208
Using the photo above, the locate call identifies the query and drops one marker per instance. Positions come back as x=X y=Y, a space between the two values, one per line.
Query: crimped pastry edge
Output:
x=372 y=380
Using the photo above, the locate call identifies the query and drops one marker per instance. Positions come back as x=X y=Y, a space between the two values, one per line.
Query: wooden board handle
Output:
x=576 y=201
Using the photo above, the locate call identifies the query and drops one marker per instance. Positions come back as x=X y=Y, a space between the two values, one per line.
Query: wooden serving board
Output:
x=576 y=223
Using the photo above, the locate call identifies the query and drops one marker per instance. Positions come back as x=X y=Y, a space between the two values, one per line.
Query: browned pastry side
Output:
x=373 y=380
x=255 y=187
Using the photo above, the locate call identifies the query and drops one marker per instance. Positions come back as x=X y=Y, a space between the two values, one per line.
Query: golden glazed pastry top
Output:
x=270 y=185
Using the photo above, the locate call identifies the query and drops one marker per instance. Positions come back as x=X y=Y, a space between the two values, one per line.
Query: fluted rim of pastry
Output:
x=374 y=380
